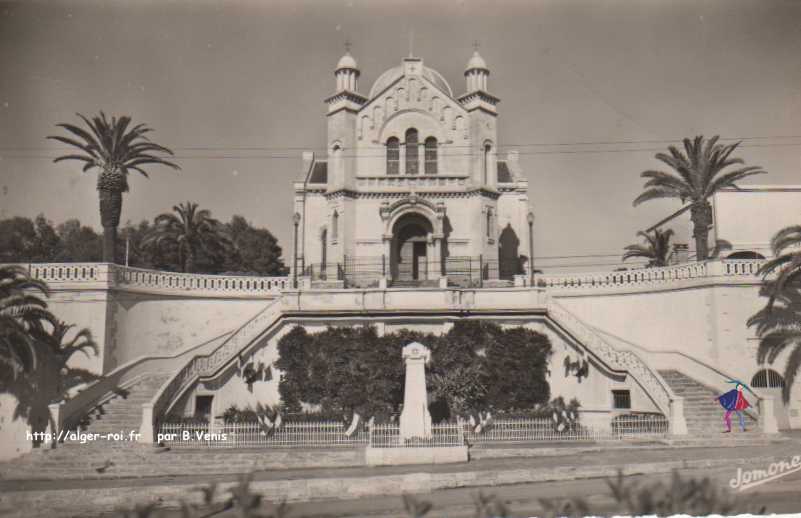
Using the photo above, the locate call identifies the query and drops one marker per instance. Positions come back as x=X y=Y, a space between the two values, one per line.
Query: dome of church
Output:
x=391 y=75
x=347 y=61
x=476 y=62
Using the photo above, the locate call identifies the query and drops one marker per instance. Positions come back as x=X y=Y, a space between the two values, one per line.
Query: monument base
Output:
x=413 y=455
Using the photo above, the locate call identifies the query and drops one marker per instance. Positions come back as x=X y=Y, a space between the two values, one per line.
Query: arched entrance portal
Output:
x=411 y=238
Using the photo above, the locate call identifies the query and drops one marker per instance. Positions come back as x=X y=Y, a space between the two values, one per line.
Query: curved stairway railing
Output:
x=621 y=360
x=69 y=411
x=695 y=368
x=207 y=365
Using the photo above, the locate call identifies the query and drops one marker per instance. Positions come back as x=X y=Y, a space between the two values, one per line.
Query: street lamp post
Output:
x=530 y=219
x=296 y=221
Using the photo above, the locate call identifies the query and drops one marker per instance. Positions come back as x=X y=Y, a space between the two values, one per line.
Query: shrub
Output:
x=475 y=366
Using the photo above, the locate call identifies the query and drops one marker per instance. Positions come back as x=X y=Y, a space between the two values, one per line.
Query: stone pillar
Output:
x=415 y=420
x=146 y=428
x=678 y=424
x=767 y=417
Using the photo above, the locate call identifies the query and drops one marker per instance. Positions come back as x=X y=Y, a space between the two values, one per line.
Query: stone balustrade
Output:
x=739 y=270
x=135 y=279
x=405 y=182
x=111 y=276
x=103 y=275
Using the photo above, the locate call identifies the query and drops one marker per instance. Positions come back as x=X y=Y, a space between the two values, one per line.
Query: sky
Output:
x=590 y=91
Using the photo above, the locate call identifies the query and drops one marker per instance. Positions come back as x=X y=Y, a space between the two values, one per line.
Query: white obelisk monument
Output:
x=415 y=420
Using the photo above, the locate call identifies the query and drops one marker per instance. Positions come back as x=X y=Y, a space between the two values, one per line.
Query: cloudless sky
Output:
x=227 y=75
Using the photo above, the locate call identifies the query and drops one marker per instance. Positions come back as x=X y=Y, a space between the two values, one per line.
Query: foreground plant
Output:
x=114 y=149
x=778 y=326
x=21 y=307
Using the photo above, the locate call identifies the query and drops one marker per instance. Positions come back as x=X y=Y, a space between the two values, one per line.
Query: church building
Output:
x=412 y=189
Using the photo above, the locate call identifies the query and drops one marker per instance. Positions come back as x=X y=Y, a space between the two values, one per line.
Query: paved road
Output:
x=522 y=500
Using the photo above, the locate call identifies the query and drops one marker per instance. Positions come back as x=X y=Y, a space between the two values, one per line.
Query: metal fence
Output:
x=388 y=436
x=462 y=271
x=543 y=429
x=333 y=434
x=251 y=435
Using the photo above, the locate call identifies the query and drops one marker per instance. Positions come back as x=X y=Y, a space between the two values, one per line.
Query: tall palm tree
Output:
x=114 y=150
x=778 y=326
x=189 y=231
x=21 y=307
x=656 y=247
x=698 y=175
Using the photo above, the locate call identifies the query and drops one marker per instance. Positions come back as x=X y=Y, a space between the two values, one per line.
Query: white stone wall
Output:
x=750 y=217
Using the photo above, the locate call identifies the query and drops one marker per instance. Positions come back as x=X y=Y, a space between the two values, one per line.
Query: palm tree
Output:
x=786 y=262
x=656 y=248
x=190 y=231
x=52 y=379
x=115 y=150
x=778 y=326
x=20 y=308
x=699 y=175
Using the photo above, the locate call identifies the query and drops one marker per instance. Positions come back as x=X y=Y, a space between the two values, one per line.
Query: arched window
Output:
x=412 y=153
x=334 y=226
x=431 y=155
x=393 y=155
x=767 y=378
x=486 y=164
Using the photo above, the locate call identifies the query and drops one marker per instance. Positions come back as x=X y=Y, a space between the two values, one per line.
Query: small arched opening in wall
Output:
x=767 y=378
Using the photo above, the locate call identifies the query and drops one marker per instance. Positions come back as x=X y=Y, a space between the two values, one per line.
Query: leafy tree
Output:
x=26 y=240
x=656 y=248
x=21 y=308
x=697 y=175
x=255 y=250
x=193 y=233
x=114 y=150
x=77 y=243
x=18 y=240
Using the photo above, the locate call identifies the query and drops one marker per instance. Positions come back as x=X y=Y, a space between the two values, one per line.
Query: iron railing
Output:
x=201 y=435
x=461 y=271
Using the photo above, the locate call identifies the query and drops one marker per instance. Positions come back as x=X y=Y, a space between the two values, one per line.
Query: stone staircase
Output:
x=123 y=412
x=110 y=458
x=703 y=414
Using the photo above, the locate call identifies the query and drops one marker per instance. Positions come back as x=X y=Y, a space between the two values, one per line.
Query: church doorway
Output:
x=409 y=260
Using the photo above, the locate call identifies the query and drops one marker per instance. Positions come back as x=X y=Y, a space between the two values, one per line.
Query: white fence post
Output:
x=678 y=424
x=767 y=418
x=146 y=428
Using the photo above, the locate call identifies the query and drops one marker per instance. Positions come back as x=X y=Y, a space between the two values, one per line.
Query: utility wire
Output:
x=443 y=155
x=531 y=144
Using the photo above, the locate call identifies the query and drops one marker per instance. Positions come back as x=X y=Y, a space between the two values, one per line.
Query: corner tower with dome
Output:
x=411 y=189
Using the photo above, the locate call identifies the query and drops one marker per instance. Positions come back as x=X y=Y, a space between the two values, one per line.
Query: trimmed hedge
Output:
x=476 y=366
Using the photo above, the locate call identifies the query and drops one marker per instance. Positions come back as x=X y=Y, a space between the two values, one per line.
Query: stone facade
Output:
x=411 y=178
